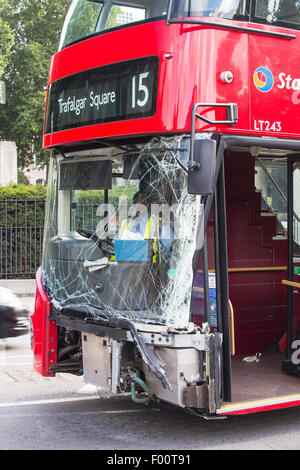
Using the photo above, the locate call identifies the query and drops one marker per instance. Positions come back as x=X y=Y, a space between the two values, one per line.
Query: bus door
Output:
x=215 y=273
x=293 y=265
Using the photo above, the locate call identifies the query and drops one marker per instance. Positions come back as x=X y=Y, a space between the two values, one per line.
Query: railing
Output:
x=84 y=216
x=296 y=218
x=21 y=237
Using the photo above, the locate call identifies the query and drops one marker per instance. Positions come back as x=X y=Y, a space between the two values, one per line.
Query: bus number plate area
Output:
x=117 y=92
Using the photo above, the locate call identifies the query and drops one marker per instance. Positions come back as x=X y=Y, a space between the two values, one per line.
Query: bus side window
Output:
x=156 y=9
x=284 y=11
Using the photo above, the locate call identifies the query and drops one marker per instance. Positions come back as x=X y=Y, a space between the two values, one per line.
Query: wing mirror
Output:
x=201 y=167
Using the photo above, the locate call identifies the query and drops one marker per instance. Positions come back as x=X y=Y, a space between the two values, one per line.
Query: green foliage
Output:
x=22 y=191
x=26 y=214
x=6 y=38
x=22 y=178
x=36 y=26
x=89 y=197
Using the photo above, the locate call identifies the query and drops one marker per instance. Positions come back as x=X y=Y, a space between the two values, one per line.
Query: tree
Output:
x=36 y=27
x=6 y=39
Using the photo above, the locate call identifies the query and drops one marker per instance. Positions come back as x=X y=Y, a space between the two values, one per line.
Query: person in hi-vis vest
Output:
x=143 y=227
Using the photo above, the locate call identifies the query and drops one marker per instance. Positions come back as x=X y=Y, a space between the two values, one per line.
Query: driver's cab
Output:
x=116 y=233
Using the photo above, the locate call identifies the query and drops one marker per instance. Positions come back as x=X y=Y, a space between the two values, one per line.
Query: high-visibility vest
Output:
x=125 y=225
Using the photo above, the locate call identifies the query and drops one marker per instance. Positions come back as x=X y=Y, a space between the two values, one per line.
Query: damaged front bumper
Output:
x=181 y=366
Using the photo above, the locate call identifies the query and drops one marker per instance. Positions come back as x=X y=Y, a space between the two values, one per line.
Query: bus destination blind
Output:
x=117 y=92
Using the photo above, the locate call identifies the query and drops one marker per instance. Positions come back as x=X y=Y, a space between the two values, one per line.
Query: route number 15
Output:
x=142 y=90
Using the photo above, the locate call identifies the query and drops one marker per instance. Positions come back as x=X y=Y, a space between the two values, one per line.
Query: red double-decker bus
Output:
x=172 y=243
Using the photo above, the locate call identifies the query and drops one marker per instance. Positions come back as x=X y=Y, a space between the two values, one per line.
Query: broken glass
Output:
x=126 y=252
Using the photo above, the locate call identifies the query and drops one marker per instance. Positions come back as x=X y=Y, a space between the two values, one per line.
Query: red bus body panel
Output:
x=199 y=54
x=182 y=81
x=44 y=341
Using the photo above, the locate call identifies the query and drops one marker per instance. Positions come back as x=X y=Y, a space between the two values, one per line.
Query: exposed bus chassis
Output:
x=154 y=362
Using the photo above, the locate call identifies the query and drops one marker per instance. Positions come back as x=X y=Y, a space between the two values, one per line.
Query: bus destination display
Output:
x=117 y=92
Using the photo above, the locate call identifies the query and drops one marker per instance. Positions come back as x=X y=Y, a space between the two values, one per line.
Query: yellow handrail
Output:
x=250 y=269
x=290 y=283
x=263 y=268
x=232 y=335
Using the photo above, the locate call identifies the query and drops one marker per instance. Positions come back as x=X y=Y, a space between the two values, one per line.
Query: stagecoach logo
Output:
x=263 y=79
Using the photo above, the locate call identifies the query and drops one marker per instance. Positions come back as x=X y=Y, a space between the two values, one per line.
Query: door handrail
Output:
x=232 y=334
x=249 y=269
x=290 y=283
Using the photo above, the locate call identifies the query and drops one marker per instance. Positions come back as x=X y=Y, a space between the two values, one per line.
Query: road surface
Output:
x=63 y=413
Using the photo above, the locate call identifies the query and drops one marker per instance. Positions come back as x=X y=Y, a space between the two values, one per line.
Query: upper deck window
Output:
x=284 y=13
x=88 y=17
x=81 y=21
x=230 y=9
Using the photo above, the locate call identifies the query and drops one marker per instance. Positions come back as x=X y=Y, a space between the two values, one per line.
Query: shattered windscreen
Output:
x=121 y=233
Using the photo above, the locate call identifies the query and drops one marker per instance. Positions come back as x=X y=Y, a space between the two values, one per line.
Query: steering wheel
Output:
x=109 y=249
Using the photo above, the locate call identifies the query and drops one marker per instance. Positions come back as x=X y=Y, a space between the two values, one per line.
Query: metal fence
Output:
x=21 y=237
x=84 y=216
